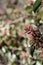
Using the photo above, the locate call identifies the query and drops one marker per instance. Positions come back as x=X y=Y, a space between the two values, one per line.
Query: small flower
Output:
x=28 y=27
x=23 y=54
x=21 y=33
x=30 y=36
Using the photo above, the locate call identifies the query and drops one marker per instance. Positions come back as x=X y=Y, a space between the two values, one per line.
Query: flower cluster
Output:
x=21 y=32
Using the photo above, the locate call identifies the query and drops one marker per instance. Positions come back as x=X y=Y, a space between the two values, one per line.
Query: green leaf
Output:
x=12 y=44
x=36 y=5
x=32 y=51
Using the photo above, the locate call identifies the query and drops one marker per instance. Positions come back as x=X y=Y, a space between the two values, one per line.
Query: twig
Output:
x=20 y=19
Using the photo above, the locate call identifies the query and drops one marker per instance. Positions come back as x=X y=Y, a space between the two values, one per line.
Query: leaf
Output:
x=34 y=63
x=13 y=44
x=36 y=5
x=32 y=51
